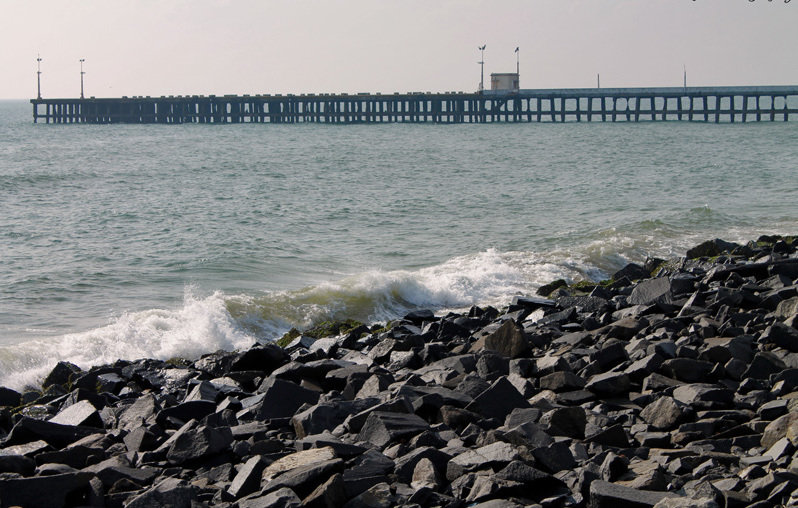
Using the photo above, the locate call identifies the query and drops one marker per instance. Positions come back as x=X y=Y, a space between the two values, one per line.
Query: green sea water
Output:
x=128 y=241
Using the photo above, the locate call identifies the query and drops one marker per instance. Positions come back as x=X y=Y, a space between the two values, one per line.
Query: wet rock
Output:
x=60 y=374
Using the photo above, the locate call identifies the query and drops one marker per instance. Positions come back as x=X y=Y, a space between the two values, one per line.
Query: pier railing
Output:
x=695 y=104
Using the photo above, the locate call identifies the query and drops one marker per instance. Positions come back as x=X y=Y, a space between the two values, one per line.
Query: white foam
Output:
x=200 y=326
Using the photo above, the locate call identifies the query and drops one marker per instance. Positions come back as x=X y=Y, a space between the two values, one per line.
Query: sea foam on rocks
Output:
x=672 y=384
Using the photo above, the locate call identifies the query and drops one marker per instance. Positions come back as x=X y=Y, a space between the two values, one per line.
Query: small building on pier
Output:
x=504 y=81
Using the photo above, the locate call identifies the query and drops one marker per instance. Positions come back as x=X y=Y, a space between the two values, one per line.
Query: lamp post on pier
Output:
x=482 y=67
x=81 y=76
x=38 y=77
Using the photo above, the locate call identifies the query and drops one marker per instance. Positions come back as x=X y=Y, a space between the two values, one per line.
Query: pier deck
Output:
x=694 y=104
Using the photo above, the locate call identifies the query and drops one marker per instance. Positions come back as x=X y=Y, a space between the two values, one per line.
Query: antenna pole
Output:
x=482 y=67
x=38 y=77
x=81 y=77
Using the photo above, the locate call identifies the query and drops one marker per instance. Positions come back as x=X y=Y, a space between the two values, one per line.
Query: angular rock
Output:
x=296 y=460
x=365 y=472
x=688 y=370
x=555 y=457
x=609 y=384
x=9 y=397
x=498 y=400
x=382 y=427
x=652 y=291
x=140 y=413
x=405 y=465
x=304 y=479
x=704 y=396
x=509 y=340
x=498 y=453
x=281 y=399
x=171 y=492
x=566 y=421
x=198 y=443
x=41 y=491
x=664 y=413
x=29 y=429
x=331 y=493
x=561 y=382
x=60 y=374
x=80 y=413
x=248 y=478
x=610 y=495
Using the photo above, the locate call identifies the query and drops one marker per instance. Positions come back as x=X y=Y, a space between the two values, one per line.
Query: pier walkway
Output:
x=694 y=104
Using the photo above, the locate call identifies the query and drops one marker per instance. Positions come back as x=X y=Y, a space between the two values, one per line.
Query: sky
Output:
x=186 y=47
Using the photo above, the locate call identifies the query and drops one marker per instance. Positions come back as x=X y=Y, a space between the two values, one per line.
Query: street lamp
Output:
x=482 y=67
x=81 y=76
x=38 y=77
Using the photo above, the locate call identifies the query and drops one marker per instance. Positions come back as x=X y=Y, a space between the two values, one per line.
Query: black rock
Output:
x=29 y=429
x=281 y=399
x=555 y=457
x=609 y=384
x=365 y=472
x=265 y=358
x=198 y=443
x=652 y=291
x=614 y=436
x=19 y=464
x=304 y=479
x=417 y=317
x=247 y=479
x=610 y=495
x=80 y=413
x=686 y=369
x=382 y=427
x=60 y=374
x=498 y=400
x=711 y=248
x=405 y=464
x=561 y=381
x=509 y=340
x=171 y=492
x=631 y=271
x=9 y=397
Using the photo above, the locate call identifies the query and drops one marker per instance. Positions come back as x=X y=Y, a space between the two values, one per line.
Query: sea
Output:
x=163 y=241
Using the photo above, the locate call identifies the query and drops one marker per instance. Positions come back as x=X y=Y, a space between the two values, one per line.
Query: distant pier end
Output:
x=695 y=104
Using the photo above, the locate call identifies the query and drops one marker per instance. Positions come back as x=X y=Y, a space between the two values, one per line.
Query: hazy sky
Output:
x=171 y=47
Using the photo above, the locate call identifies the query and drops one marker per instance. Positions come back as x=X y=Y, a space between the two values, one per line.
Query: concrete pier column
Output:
x=772 y=108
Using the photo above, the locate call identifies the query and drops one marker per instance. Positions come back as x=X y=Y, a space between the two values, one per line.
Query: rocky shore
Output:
x=672 y=384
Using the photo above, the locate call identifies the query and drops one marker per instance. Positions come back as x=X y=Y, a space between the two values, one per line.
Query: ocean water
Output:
x=130 y=241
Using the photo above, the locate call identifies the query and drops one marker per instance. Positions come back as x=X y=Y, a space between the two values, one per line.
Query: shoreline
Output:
x=674 y=379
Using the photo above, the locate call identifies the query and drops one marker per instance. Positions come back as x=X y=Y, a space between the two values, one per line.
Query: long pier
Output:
x=693 y=104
